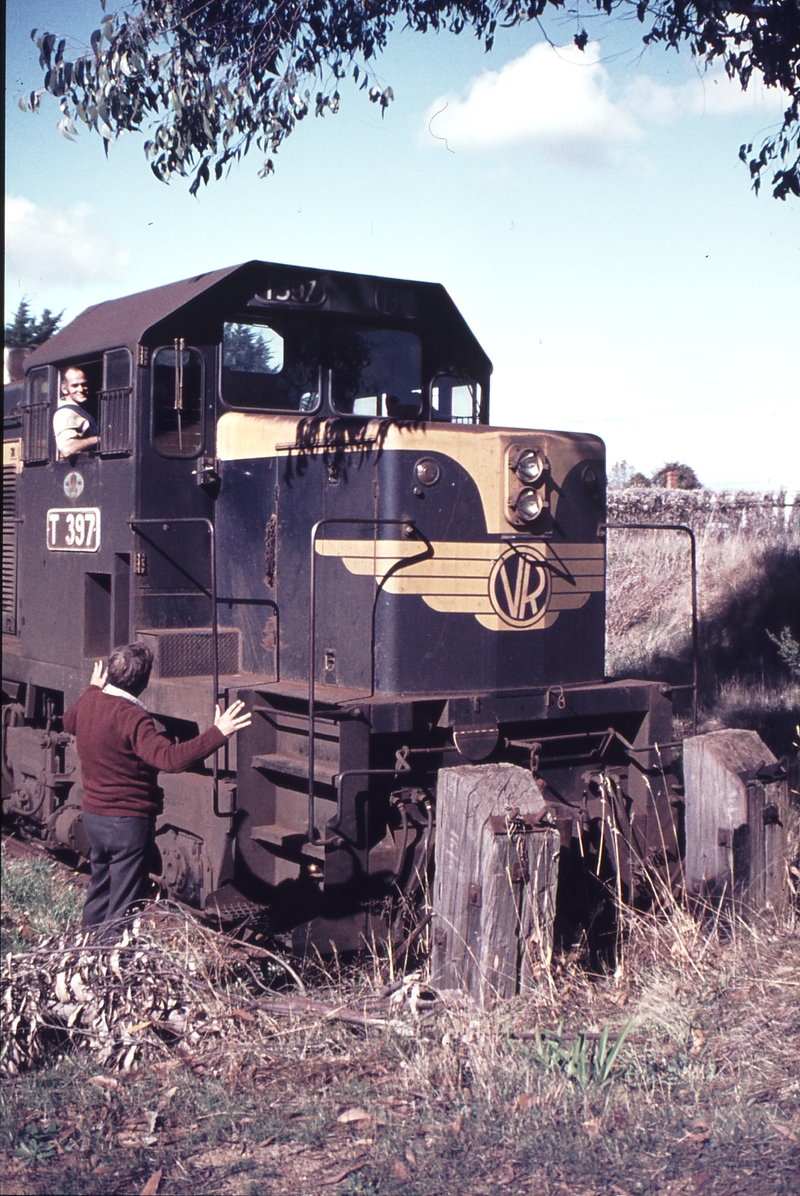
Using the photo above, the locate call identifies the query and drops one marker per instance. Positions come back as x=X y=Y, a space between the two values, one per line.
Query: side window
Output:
x=36 y=416
x=455 y=400
x=377 y=372
x=116 y=369
x=178 y=401
x=270 y=368
x=114 y=403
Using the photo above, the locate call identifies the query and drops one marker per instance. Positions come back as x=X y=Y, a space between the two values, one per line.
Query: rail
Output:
x=212 y=594
x=312 y=639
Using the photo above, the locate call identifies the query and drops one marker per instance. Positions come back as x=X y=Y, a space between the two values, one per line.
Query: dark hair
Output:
x=129 y=668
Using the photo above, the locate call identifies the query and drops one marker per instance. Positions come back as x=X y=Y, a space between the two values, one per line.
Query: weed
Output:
x=588 y=1060
x=788 y=650
x=36 y=1143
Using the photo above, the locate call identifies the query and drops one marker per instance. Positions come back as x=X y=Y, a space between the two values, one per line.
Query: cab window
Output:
x=376 y=372
x=116 y=369
x=455 y=400
x=36 y=416
x=270 y=367
x=115 y=404
x=178 y=400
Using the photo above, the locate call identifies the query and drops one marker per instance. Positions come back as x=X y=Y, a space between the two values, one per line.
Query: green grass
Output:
x=36 y=902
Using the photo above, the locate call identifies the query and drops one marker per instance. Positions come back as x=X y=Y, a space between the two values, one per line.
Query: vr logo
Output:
x=519 y=586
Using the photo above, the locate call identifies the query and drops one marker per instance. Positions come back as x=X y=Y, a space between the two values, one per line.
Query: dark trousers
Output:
x=120 y=858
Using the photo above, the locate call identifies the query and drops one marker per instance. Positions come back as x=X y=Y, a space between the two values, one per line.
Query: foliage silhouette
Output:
x=217 y=79
x=25 y=331
x=687 y=478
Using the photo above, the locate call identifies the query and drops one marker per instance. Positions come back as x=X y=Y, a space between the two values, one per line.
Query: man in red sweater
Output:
x=121 y=755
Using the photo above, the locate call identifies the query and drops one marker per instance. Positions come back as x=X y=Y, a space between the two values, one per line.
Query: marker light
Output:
x=427 y=471
x=529 y=504
x=530 y=466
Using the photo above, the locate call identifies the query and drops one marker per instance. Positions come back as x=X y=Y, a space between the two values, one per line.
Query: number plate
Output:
x=73 y=529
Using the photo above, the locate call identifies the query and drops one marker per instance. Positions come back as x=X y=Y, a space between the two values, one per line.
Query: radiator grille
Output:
x=190 y=653
x=10 y=544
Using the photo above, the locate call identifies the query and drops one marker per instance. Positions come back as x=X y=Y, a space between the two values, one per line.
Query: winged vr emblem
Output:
x=519 y=587
x=507 y=587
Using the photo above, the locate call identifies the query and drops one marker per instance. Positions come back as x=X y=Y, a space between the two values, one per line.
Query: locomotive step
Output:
x=296 y=766
x=275 y=835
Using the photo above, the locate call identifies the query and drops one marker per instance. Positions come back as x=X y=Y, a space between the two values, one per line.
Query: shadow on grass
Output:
x=742 y=680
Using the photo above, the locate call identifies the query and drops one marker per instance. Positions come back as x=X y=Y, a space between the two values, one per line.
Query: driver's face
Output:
x=74 y=386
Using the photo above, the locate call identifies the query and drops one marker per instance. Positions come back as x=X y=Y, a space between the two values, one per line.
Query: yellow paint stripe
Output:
x=477 y=549
x=436 y=568
x=584 y=585
x=401 y=584
x=568 y=551
x=472 y=605
x=455 y=578
x=386 y=549
x=577 y=569
x=568 y=601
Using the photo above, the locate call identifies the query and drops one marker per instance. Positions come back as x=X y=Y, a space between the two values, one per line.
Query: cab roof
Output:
x=142 y=317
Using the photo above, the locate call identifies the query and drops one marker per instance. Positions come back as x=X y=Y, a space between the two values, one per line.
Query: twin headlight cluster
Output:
x=526 y=482
x=527 y=493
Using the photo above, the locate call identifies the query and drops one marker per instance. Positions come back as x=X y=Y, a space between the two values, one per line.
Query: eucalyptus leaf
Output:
x=200 y=70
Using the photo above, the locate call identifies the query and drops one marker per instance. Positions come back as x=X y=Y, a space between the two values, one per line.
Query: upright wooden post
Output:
x=737 y=820
x=495 y=881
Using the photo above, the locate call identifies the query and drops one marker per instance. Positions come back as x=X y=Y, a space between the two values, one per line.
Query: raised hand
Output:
x=234 y=719
x=99 y=674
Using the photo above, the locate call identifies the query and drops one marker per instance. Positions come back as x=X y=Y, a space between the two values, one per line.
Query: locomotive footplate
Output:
x=600 y=754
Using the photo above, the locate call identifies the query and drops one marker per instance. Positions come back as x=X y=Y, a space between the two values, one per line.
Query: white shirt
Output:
x=115 y=692
x=68 y=425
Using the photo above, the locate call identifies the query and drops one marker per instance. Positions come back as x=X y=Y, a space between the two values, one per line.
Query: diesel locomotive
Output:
x=297 y=499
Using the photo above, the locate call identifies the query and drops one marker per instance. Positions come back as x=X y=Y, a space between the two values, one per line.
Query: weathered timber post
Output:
x=495 y=881
x=737 y=820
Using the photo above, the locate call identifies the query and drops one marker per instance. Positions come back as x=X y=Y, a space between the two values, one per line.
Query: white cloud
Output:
x=561 y=101
x=710 y=94
x=554 y=98
x=55 y=244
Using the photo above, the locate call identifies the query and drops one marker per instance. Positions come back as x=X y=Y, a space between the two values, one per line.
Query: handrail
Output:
x=214 y=628
x=356 y=772
x=675 y=527
x=312 y=647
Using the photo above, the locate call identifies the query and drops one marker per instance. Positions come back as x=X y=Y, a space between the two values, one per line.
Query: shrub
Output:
x=687 y=478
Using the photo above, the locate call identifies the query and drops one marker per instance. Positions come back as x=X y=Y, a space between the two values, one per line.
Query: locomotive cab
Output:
x=297 y=499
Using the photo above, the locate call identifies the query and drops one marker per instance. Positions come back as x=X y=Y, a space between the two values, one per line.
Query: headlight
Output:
x=529 y=504
x=530 y=466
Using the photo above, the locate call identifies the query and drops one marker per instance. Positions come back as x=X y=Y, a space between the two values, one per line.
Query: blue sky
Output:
x=588 y=214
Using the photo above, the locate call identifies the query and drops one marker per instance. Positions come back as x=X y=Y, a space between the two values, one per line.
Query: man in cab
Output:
x=75 y=429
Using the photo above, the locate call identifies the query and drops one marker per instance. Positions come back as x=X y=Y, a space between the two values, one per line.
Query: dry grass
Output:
x=268 y=1091
x=747 y=587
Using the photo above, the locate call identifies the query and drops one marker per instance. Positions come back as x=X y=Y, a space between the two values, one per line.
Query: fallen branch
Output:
x=300 y=1006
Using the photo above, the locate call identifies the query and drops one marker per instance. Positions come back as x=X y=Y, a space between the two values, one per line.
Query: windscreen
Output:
x=272 y=367
x=376 y=372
